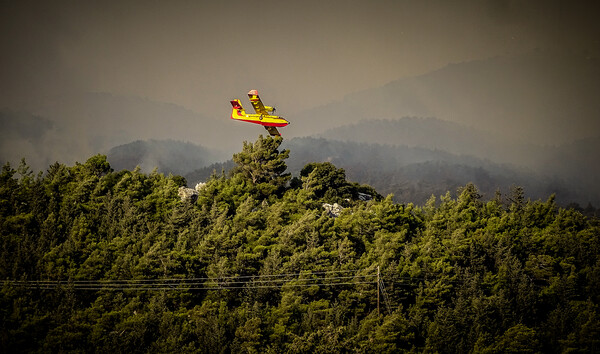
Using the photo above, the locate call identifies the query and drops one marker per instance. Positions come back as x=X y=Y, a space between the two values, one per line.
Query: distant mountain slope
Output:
x=169 y=156
x=204 y=173
x=25 y=135
x=23 y=125
x=418 y=181
x=78 y=126
x=413 y=174
x=575 y=163
x=375 y=156
x=437 y=134
x=542 y=97
x=111 y=120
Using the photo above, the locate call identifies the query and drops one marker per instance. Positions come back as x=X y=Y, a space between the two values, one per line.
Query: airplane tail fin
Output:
x=237 y=110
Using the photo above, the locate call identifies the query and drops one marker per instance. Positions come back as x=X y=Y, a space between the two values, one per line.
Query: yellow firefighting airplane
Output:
x=264 y=114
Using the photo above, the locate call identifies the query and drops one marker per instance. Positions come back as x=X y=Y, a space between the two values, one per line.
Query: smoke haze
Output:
x=80 y=78
x=300 y=54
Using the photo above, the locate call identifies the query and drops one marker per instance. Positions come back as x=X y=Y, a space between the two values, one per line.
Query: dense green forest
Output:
x=96 y=260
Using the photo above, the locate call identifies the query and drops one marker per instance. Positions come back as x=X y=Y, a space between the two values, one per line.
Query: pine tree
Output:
x=261 y=162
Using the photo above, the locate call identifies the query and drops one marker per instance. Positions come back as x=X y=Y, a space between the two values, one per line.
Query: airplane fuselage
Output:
x=269 y=120
x=264 y=114
x=266 y=120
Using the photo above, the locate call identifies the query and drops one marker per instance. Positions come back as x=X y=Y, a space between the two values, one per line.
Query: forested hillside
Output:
x=95 y=260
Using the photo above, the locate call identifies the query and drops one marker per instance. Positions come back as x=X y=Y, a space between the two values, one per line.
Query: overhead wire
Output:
x=221 y=277
x=303 y=279
x=243 y=282
x=261 y=281
x=162 y=288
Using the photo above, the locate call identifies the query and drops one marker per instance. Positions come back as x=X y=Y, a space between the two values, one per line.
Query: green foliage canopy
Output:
x=460 y=274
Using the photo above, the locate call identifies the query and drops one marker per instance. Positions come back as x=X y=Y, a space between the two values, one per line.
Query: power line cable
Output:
x=231 y=282
x=125 y=288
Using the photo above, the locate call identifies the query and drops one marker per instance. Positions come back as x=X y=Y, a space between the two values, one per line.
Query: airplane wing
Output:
x=272 y=130
x=259 y=107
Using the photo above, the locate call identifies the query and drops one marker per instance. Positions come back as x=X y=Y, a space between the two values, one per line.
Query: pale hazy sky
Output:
x=200 y=54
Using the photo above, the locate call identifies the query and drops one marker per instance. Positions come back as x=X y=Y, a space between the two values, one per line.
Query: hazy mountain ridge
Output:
x=463 y=97
x=204 y=173
x=418 y=181
x=466 y=96
x=27 y=135
x=413 y=174
x=436 y=134
x=414 y=159
x=78 y=126
x=121 y=119
x=14 y=125
x=168 y=156
x=529 y=97
x=576 y=162
x=378 y=156
x=573 y=164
